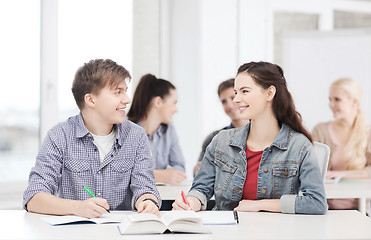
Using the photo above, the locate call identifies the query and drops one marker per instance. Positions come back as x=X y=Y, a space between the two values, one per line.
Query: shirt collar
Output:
x=121 y=132
x=159 y=131
x=81 y=130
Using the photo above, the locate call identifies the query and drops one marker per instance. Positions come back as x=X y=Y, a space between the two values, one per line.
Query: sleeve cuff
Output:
x=200 y=197
x=287 y=203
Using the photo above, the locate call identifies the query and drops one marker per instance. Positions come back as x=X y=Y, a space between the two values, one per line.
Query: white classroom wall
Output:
x=313 y=60
x=204 y=42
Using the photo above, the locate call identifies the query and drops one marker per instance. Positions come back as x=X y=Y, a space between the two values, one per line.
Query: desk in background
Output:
x=340 y=224
x=172 y=192
x=351 y=188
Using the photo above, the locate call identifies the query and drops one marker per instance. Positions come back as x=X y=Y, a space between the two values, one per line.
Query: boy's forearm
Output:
x=46 y=203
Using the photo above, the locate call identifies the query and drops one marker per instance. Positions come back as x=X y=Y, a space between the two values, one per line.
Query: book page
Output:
x=140 y=217
x=134 y=225
x=142 y=223
x=173 y=216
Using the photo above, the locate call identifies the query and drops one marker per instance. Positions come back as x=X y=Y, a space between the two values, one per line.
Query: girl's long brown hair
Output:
x=266 y=74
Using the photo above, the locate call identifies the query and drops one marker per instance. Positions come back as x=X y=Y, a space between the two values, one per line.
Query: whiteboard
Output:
x=313 y=60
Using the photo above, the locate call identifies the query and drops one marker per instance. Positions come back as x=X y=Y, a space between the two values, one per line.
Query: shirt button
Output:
x=98 y=172
x=265 y=169
x=270 y=150
x=111 y=155
x=98 y=194
x=95 y=149
x=263 y=191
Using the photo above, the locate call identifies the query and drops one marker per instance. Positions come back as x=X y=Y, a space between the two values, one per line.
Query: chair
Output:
x=322 y=152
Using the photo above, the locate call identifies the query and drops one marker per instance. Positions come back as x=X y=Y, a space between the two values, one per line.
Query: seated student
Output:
x=269 y=165
x=97 y=148
x=348 y=136
x=154 y=104
x=226 y=95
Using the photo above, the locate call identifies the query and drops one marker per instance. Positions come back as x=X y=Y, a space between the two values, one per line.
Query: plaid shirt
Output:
x=69 y=160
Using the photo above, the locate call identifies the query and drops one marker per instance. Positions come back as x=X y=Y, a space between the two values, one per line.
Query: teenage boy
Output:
x=226 y=95
x=98 y=149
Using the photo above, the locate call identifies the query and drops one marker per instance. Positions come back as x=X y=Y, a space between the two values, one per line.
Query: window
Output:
x=19 y=92
x=86 y=30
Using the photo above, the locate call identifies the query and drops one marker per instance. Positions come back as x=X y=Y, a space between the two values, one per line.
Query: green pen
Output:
x=91 y=194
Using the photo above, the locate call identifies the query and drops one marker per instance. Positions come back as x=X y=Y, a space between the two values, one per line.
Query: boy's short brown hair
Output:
x=225 y=85
x=95 y=75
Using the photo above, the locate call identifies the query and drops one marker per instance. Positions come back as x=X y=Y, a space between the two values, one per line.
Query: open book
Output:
x=105 y=218
x=338 y=178
x=172 y=221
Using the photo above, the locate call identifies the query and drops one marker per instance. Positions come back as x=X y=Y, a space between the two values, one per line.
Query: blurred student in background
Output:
x=268 y=165
x=153 y=106
x=226 y=95
x=348 y=136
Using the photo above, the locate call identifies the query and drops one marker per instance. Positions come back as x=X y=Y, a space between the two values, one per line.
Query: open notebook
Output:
x=68 y=219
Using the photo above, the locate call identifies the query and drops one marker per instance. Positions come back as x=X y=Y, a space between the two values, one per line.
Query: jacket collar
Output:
x=281 y=141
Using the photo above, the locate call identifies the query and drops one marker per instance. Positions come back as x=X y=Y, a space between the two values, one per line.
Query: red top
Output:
x=250 y=187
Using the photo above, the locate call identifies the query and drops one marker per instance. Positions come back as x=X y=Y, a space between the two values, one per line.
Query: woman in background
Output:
x=153 y=106
x=348 y=136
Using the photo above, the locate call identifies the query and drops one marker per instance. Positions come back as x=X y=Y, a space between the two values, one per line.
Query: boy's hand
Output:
x=148 y=206
x=91 y=208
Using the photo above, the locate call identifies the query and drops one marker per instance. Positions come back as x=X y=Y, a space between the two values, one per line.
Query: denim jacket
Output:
x=288 y=171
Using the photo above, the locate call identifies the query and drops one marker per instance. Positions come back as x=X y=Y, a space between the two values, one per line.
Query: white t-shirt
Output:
x=104 y=143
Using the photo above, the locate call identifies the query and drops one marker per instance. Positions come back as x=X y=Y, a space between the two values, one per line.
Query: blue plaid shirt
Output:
x=69 y=160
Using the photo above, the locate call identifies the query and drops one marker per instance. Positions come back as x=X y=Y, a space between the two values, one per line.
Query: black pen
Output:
x=236 y=216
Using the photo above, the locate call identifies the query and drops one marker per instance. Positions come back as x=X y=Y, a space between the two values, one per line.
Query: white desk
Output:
x=355 y=188
x=351 y=188
x=18 y=224
x=172 y=192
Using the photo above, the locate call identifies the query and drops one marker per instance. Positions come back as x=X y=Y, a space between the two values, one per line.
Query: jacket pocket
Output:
x=284 y=180
x=224 y=170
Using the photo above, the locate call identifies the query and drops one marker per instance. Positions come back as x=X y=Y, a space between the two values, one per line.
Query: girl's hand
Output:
x=194 y=203
x=248 y=206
